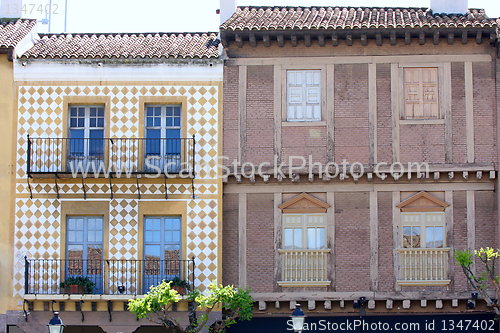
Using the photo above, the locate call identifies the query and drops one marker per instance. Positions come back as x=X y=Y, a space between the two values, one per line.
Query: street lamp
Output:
x=298 y=318
x=55 y=324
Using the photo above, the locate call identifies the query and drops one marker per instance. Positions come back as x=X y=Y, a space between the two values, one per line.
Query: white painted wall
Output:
x=60 y=70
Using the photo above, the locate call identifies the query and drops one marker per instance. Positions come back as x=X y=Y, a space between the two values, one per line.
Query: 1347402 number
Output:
x=466 y=325
x=31 y=8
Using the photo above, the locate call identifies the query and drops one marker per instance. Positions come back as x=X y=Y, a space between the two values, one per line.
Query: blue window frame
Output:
x=86 y=133
x=84 y=250
x=163 y=136
x=162 y=249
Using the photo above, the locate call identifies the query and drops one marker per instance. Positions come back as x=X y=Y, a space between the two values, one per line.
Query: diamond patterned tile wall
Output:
x=37 y=235
x=202 y=239
x=41 y=110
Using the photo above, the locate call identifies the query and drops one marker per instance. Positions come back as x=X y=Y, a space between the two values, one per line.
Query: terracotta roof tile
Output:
x=11 y=33
x=290 y=18
x=159 y=45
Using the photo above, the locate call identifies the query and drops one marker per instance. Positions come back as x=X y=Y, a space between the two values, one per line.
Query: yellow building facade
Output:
x=116 y=175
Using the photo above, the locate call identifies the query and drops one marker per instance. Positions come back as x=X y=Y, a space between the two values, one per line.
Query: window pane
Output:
x=411 y=237
x=320 y=238
x=311 y=238
x=288 y=243
x=158 y=111
x=94 y=263
x=438 y=237
x=177 y=111
x=149 y=111
x=177 y=224
x=297 y=238
x=96 y=143
x=91 y=236
x=168 y=224
x=168 y=236
x=176 y=236
x=152 y=252
x=75 y=252
x=153 y=142
x=73 y=112
x=93 y=112
x=100 y=112
x=76 y=143
x=91 y=224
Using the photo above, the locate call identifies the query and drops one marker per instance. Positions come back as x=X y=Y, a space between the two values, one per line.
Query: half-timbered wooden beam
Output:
x=253 y=40
x=280 y=39
x=321 y=39
x=267 y=40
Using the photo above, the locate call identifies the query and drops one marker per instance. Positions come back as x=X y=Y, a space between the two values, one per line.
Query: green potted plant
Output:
x=78 y=285
x=179 y=284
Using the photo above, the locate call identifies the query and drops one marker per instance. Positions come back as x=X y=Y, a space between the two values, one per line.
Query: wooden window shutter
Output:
x=421 y=93
x=304 y=95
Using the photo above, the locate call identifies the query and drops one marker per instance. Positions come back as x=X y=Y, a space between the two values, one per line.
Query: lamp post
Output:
x=298 y=318
x=55 y=324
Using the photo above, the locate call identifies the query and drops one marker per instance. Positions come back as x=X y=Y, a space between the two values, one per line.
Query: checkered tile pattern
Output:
x=123 y=236
x=118 y=188
x=202 y=240
x=38 y=231
x=41 y=110
x=37 y=236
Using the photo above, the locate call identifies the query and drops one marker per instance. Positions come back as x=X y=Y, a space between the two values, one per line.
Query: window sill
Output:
x=422 y=122
x=303 y=123
x=304 y=283
x=424 y=282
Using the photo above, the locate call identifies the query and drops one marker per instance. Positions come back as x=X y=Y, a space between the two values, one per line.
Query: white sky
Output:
x=197 y=15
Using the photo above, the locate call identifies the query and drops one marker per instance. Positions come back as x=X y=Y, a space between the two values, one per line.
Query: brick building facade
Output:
x=358 y=91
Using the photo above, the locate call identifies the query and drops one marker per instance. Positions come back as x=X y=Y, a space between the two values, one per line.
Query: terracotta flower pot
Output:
x=74 y=289
x=181 y=290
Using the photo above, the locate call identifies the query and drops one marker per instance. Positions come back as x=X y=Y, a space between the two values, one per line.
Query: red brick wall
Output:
x=484 y=111
x=260 y=114
x=351 y=113
x=458 y=112
x=304 y=141
x=230 y=113
x=230 y=252
x=352 y=241
x=260 y=242
x=486 y=223
x=422 y=143
x=459 y=235
x=385 y=242
x=384 y=114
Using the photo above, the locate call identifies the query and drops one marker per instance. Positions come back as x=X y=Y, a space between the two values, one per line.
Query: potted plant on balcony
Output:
x=179 y=285
x=78 y=285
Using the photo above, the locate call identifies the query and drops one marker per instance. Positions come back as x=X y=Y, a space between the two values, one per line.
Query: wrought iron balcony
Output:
x=108 y=276
x=91 y=157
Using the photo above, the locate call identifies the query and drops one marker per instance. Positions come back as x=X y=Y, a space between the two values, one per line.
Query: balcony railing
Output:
x=424 y=266
x=110 y=155
x=110 y=277
x=304 y=267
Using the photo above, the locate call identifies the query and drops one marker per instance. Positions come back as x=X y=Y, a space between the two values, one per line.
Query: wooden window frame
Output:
x=284 y=95
x=443 y=87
